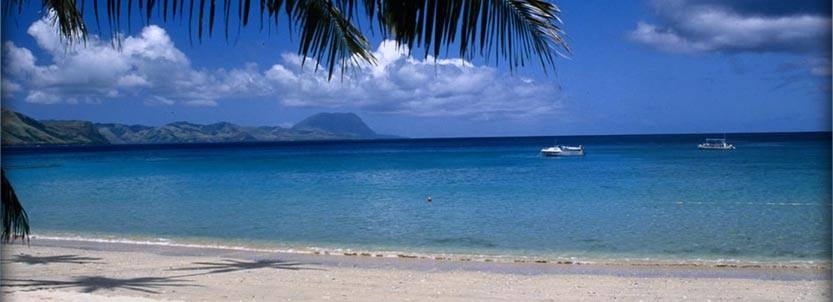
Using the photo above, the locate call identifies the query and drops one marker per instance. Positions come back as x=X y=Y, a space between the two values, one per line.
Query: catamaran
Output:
x=715 y=144
x=563 y=151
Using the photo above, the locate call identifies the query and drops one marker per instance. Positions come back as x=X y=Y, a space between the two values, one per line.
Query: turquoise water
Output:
x=652 y=197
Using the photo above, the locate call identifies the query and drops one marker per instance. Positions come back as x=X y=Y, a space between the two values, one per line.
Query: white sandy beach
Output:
x=54 y=273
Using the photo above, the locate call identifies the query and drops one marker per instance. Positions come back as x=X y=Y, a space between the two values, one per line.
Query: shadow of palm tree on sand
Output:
x=231 y=265
x=150 y=285
x=89 y=284
x=71 y=259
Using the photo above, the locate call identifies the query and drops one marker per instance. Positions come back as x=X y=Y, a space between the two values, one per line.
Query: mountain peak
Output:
x=337 y=123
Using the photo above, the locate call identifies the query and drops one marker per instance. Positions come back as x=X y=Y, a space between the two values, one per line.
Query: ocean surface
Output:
x=651 y=197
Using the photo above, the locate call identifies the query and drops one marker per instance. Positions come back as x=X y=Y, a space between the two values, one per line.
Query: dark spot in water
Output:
x=32 y=166
x=464 y=241
x=598 y=246
x=794 y=254
x=725 y=251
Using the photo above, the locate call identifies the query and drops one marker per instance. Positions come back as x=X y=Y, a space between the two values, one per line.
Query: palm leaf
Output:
x=329 y=36
x=15 y=221
x=517 y=31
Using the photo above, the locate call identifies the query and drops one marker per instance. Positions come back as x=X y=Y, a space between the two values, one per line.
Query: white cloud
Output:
x=702 y=29
x=133 y=80
x=9 y=88
x=402 y=84
x=736 y=26
x=149 y=67
x=158 y=101
x=201 y=103
x=820 y=67
x=703 y=26
x=40 y=97
x=664 y=39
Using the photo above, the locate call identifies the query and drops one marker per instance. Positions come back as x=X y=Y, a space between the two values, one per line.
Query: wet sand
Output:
x=66 y=270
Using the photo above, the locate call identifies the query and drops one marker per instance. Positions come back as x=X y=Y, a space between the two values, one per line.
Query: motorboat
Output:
x=563 y=151
x=715 y=144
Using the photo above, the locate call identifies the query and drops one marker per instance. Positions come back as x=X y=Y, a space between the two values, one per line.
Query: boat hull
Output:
x=717 y=148
x=553 y=152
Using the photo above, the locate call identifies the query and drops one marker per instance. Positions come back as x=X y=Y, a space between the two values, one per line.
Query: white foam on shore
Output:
x=168 y=242
x=624 y=261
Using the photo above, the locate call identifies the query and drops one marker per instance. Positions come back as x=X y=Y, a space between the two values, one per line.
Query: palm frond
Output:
x=329 y=36
x=15 y=220
x=67 y=14
x=517 y=31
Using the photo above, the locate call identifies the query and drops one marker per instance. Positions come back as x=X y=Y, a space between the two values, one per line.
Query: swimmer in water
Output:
x=428 y=199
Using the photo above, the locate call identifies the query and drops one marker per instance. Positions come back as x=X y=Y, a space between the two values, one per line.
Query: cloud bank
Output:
x=149 y=67
x=696 y=26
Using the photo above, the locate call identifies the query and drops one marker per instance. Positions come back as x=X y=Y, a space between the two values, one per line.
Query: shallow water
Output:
x=654 y=197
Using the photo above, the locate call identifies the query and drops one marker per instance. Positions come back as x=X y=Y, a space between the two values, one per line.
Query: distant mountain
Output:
x=77 y=131
x=347 y=124
x=19 y=129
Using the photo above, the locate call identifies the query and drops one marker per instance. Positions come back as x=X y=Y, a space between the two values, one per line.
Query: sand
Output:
x=72 y=271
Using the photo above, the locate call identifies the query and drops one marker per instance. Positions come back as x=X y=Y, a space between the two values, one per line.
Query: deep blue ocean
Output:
x=652 y=197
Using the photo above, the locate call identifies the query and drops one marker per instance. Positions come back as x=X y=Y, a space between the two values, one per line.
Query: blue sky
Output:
x=676 y=66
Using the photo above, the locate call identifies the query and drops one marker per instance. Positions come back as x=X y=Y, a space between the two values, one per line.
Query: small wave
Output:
x=153 y=159
x=764 y=145
x=791 y=204
x=166 y=242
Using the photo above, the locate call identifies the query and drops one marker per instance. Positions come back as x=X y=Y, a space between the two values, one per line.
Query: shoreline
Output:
x=438 y=256
x=50 y=270
x=531 y=266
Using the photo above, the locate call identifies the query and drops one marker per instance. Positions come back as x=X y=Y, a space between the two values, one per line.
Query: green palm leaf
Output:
x=517 y=31
x=15 y=220
x=329 y=36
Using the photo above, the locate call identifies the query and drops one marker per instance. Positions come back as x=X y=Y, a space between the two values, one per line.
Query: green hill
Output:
x=19 y=129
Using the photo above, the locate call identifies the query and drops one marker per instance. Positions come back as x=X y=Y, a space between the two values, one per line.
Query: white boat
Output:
x=715 y=144
x=563 y=151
